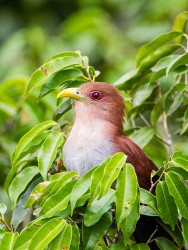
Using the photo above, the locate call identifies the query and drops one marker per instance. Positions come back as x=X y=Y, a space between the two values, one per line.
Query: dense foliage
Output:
x=69 y=212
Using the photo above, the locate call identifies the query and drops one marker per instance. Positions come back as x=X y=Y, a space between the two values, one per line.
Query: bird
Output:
x=98 y=132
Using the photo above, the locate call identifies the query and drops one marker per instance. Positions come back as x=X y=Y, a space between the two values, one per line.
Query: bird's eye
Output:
x=95 y=95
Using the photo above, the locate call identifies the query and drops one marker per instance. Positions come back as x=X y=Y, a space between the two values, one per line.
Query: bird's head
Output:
x=97 y=100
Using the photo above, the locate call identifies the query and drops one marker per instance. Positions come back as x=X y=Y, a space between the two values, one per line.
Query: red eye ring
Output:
x=95 y=95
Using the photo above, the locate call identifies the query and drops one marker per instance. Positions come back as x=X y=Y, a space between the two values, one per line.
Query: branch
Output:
x=151 y=236
x=6 y=225
x=153 y=185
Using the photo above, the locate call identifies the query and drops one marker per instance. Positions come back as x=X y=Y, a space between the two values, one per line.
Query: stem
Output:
x=87 y=72
x=153 y=185
x=144 y=119
x=151 y=236
x=6 y=225
x=158 y=137
x=168 y=135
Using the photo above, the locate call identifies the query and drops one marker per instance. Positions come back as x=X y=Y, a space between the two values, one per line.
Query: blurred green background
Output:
x=109 y=32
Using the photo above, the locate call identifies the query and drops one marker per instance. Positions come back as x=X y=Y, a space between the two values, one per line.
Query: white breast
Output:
x=87 y=146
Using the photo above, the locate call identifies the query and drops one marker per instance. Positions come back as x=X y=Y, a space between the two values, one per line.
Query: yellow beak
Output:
x=71 y=93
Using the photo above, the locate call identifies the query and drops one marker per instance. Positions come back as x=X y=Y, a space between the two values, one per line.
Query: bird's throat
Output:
x=88 y=145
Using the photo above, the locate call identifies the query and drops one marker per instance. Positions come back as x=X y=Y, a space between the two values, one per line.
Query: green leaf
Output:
x=152 y=58
x=148 y=199
x=184 y=224
x=92 y=235
x=8 y=240
x=128 y=225
x=23 y=144
x=174 y=98
x=36 y=193
x=57 y=201
x=62 y=240
x=126 y=79
x=181 y=60
x=166 y=205
x=3 y=208
x=64 y=107
x=180 y=160
x=156 y=43
x=157 y=110
x=97 y=208
x=80 y=188
x=142 y=93
x=176 y=234
x=46 y=233
x=111 y=172
x=126 y=192
x=19 y=212
x=165 y=244
x=58 y=78
x=140 y=246
x=180 y=24
x=75 y=242
x=185 y=122
x=40 y=76
x=48 y=152
x=20 y=182
x=22 y=242
x=179 y=191
x=142 y=136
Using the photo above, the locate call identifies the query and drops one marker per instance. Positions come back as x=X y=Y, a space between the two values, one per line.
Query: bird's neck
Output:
x=89 y=143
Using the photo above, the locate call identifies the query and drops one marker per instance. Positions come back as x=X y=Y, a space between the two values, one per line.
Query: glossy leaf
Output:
x=141 y=140
x=97 y=208
x=176 y=234
x=46 y=234
x=184 y=224
x=23 y=143
x=48 y=152
x=142 y=93
x=64 y=107
x=152 y=58
x=180 y=24
x=36 y=193
x=157 y=110
x=20 y=212
x=80 y=188
x=166 y=205
x=39 y=77
x=179 y=191
x=20 y=182
x=174 y=98
x=165 y=244
x=123 y=81
x=63 y=179
x=27 y=233
x=148 y=199
x=140 y=246
x=126 y=192
x=185 y=122
x=111 y=172
x=181 y=60
x=180 y=160
x=58 y=201
x=92 y=235
x=3 y=208
x=75 y=242
x=128 y=225
x=8 y=240
x=63 y=239
x=58 y=78
x=148 y=48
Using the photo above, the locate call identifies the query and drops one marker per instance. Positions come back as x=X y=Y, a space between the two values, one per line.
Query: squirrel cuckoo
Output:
x=97 y=132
